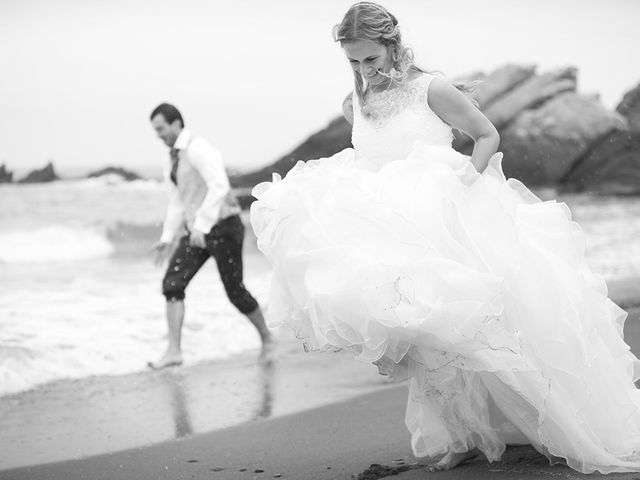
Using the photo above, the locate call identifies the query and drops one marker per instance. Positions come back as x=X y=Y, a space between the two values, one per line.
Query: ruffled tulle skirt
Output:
x=471 y=282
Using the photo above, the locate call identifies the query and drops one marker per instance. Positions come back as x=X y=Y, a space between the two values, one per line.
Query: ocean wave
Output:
x=112 y=179
x=54 y=243
x=110 y=321
x=107 y=182
x=131 y=238
x=90 y=350
x=64 y=243
x=61 y=243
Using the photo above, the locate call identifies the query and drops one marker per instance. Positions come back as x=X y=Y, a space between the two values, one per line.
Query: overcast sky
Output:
x=78 y=78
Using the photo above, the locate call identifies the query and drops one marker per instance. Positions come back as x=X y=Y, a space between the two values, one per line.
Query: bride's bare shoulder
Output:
x=347 y=108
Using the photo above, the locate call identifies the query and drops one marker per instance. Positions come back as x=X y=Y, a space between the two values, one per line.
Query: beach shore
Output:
x=316 y=416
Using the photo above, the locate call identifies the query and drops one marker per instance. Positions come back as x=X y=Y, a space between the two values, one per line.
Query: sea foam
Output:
x=54 y=243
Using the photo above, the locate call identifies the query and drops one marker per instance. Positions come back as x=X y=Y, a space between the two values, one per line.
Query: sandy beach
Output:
x=309 y=416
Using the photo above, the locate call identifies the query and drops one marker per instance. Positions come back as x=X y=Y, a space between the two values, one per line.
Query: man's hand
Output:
x=160 y=251
x=196 y=239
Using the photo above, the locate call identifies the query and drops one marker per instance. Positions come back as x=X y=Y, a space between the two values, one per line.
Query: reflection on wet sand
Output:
x=176 y=384
x=173 y=383
x=73 y=419
x=267 y=376
x=79 y=418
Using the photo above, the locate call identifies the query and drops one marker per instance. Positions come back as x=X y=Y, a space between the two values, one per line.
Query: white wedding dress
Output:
x=399 y=251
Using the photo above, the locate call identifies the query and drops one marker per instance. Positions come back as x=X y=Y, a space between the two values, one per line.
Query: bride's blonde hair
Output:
x=370 y=21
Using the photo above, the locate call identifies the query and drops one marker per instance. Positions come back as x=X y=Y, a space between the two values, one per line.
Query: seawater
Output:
x=79 y=295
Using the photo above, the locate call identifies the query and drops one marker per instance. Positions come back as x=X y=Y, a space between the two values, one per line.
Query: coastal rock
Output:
x=337 y=135
x=490 y=87
x=6 y=176
x=328 y=141
x=550 y=135
x=542 y=145
x=468 y=77
x=501 y=81
x=125 y=174
x=470 y=80
x=243 y=196
x=629 y=108
x=529 y=93
x=46 y=174
x=612 y=166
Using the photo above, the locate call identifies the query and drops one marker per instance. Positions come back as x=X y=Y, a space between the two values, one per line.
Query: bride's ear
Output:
x=392 y=51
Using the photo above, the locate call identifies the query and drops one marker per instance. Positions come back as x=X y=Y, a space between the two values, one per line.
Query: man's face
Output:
x=168 y=132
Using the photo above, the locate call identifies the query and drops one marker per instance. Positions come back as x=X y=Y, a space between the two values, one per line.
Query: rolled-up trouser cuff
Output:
x=174 y=297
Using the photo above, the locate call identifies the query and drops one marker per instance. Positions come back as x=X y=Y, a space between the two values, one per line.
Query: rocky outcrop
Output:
x=335 y=137
x=468 y=77
x=542 y=145
x=550 y=135
x=119 y=171
x=6 y=176
x=490 y=88
x=244 y=197
x=501 y=81
x=629 y=108
x=530 y=92
x=46 y=174
x=612 y=166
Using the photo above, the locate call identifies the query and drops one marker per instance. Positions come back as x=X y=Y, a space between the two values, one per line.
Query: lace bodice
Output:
x=387 y=126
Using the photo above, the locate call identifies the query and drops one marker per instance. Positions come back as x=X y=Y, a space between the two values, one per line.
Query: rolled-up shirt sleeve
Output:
x=174 y=217
x=208 y=161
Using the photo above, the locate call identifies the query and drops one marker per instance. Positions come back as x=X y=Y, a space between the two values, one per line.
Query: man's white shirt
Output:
x=202 y=195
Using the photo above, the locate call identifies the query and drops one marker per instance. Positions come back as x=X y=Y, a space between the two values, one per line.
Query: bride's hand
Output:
x=495 y=160
x=469 y=175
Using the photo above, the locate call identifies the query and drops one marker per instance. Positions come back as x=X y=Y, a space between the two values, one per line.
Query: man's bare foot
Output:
x=452 y=460
x=167 y=360
x=267 y=354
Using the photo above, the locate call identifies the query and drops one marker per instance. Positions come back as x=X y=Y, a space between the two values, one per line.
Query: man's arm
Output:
x=208 y=161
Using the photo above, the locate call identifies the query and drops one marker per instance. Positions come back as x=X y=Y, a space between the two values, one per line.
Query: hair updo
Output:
x=370 y=21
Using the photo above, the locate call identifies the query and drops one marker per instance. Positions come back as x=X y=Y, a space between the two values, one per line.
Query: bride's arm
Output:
x=454 y=108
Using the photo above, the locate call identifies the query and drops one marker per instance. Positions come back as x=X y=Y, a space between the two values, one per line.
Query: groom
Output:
x=205 y=216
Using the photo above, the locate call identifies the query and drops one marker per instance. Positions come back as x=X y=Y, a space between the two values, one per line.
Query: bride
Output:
x=416 y=257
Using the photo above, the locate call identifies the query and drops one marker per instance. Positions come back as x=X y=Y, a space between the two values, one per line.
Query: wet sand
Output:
x=317 y=416
x=74 y=419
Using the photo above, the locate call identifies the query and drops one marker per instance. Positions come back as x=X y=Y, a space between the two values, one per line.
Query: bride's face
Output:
x=369 y=58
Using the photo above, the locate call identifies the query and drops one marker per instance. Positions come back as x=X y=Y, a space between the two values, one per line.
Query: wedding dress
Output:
x=399 y=251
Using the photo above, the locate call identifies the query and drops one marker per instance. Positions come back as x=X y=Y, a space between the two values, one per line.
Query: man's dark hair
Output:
x=169 y=112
